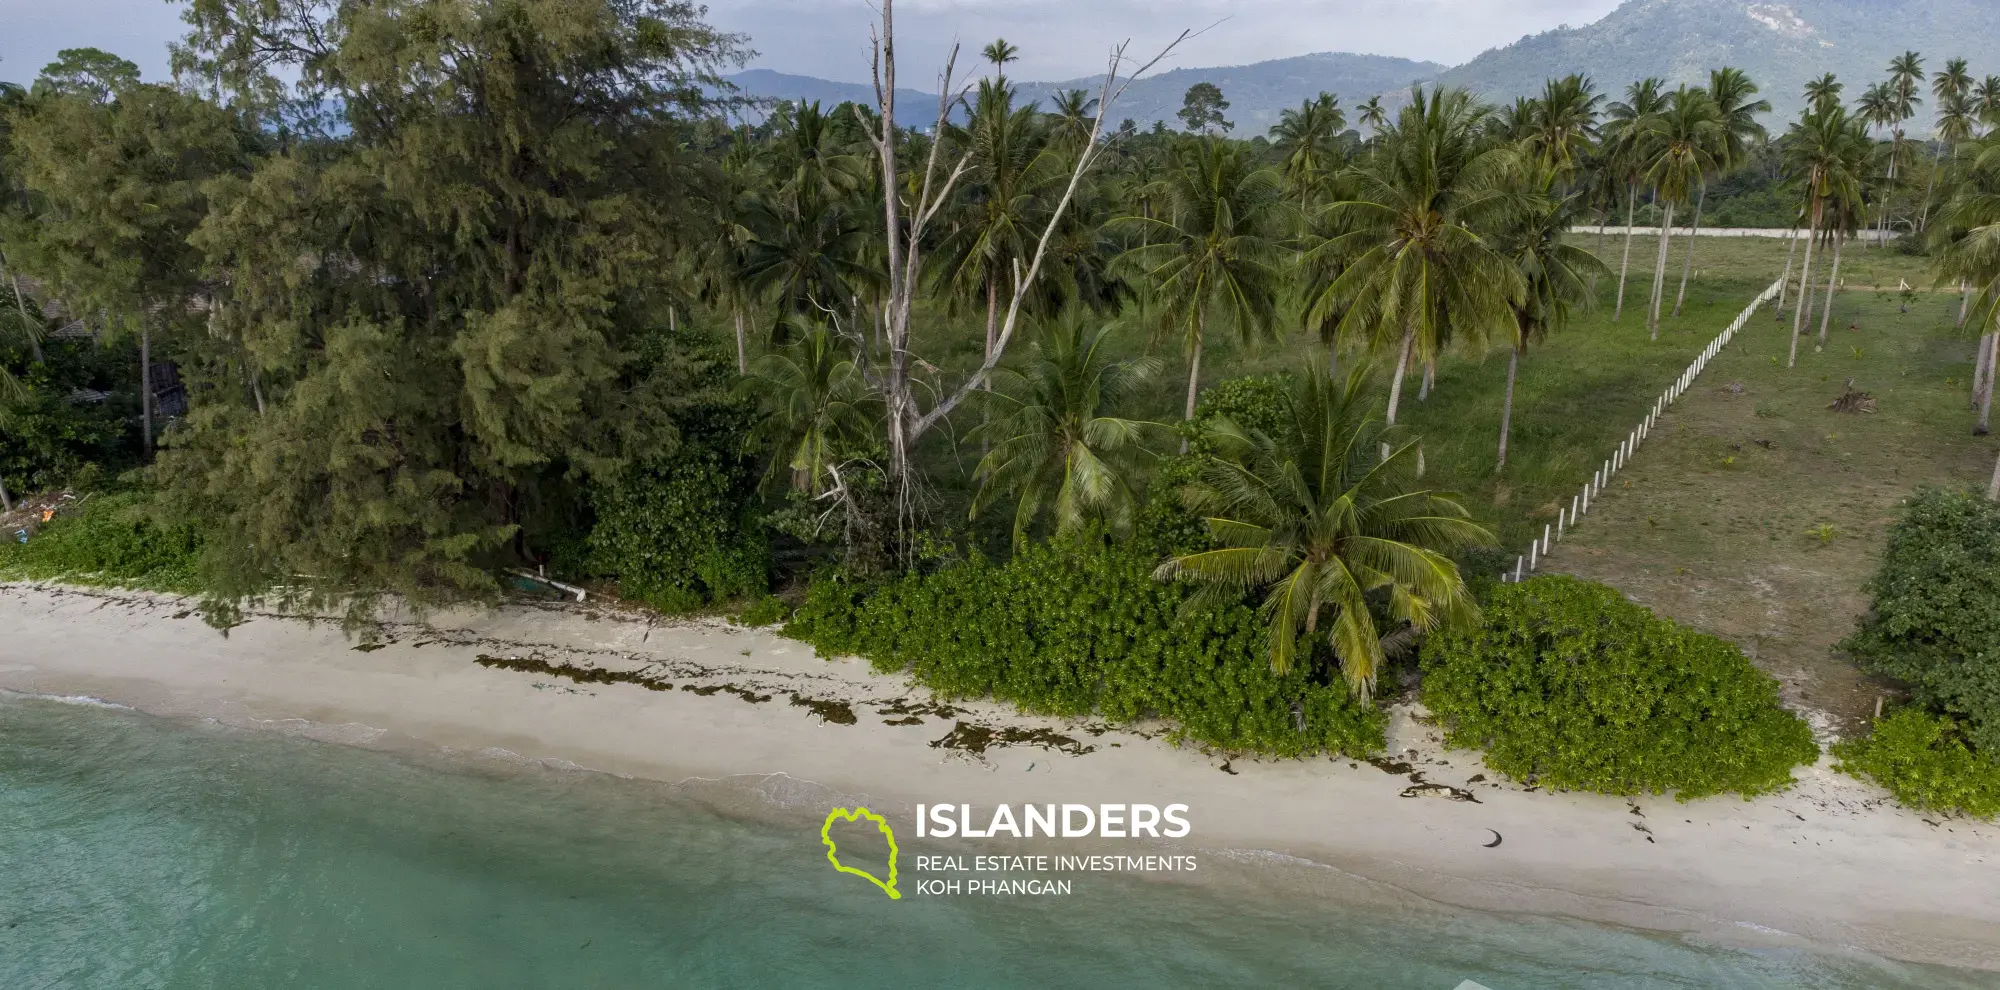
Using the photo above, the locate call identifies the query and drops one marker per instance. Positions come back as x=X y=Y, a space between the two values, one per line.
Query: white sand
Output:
x=1831 y=862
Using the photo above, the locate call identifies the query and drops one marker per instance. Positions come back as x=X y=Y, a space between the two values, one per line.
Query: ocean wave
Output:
x=69 y=699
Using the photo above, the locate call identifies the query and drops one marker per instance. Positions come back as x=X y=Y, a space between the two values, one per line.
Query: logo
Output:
x=833 y=851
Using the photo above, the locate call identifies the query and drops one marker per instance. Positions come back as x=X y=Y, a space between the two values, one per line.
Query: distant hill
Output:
x=1256 y=93
x=1781 y=45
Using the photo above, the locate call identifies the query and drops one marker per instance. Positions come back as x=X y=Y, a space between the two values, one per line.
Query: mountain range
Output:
x=1781 y=46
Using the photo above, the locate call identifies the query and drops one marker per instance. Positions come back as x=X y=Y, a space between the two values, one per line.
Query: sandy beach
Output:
x=1831 y=862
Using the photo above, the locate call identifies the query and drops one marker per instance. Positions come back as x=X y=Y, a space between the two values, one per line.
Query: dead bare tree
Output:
x=905 y=422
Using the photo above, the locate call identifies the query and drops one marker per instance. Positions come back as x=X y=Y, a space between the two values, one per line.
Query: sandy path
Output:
x=1830 y=861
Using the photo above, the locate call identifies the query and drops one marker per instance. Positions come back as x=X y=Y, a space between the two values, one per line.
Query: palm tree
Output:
x=1626 y=137
x=1824 y=92
x=1555 y=275
x=1071 y=119
x=1968 y=250
x=1421 y=272
x=1373 y=115
x=1827 y=154
x=1313 y=519
x=818 y=408
x=1986 y=101
x=1563 y=122
x=1731 y=90
x=807 y=259
x=1309 y=141
x=1000 y=212
x=1683 y=142
x=1906 y=73
x=1216 y=249
x=1054 y=447
x=1952 y=86
x=999 y=52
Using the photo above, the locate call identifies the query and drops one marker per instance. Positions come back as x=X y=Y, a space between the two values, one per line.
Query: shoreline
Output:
x=1831 y=863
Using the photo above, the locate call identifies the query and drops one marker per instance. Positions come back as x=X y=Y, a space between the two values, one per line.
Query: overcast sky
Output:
x=1059 y=39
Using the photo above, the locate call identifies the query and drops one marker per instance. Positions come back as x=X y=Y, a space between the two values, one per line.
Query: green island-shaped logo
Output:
x=833 y=852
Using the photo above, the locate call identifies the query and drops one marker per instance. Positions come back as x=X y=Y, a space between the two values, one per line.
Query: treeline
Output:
x=406 y=296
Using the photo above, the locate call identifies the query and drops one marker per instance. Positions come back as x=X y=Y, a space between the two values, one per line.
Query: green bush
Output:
x=679 y=534
x=1936 y=621
x=1077 y=626
x=1569 y=685
x=1923 y=760
x=108 y=540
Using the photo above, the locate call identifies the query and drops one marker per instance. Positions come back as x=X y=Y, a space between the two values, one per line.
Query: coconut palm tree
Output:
x=818 y=408
x=1625 y=139
x=1825 y=92
x=999 y=215
x=1906 y=74
x=1952 y=86
x=1986 y=101
x=1827 y=155
x=1563 y=123
x=1732 y=91
x=1215 y=251
x=1967 y=239
x=999 y=52
x=1555 y=275
x=1421 y=272
x=1313 y=519
x=1684 y=141
x=1053 y=446
x=1308 y=138
x=1373 y=115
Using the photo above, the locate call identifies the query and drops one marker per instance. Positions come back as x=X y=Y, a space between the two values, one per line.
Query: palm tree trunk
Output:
x=993 y=313
x=1687 y=268
x=742 y=351
x=146 y=386
x=1805 y=280
x=1402 y=369
x=256 y=390
x=1791 y=255
x=1964 y=301
x=1888 y=193
x=1430 y=379
x=27 y=326
x=1986 y=395
x=1993 y=487
x=6 y=501
x=1631 y=207
x=1507 y=405
x=1832 y=282
x=1660 y=271
x=1194 y=366
x=1979 y=368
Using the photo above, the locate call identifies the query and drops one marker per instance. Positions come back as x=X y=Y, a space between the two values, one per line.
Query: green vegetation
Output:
x=108 y=540
x=1076 y=625
x=448 y=290
x=1924 y=761
x=1935 y=624
x=1570 y=686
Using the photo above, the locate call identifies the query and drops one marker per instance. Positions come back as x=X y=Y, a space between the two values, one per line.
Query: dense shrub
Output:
x=680 y=534
x=1923 y=760
x=1076 y=626
x=44 y=437
x=108 y=540
x=1936 y=621
x=1567 y=683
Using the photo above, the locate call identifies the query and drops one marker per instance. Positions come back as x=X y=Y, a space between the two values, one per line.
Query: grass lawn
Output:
x=1755 y=512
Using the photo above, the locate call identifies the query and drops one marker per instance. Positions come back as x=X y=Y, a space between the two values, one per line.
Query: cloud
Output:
x=1061 y=39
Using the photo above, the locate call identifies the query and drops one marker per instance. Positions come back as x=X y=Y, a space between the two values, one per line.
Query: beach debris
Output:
x=1496 y=839
x=1419 y=787
x=1640 y=827
x=1852 y=401
x=906 y=720
x=581 y=675
x=744 y=693
x=837 y=712
x=1230 y=770
x=916 y=710
x=1477 y=778
x=975 y=739
x=368 y=647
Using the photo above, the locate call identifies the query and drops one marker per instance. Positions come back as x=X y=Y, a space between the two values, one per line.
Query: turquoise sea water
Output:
x=139 y=852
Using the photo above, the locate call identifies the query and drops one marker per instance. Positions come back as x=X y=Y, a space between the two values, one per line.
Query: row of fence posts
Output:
x=1579 y=505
